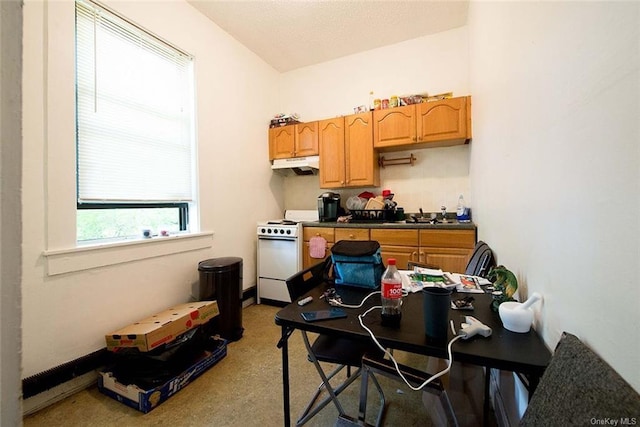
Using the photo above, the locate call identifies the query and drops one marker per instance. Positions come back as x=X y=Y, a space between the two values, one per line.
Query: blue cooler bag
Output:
x=357 y=263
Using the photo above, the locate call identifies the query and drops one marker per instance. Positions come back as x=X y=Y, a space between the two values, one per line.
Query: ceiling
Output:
x=289 y=34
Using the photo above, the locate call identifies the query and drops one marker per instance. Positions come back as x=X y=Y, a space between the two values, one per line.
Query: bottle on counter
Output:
x=463 y=213
x=391 y=295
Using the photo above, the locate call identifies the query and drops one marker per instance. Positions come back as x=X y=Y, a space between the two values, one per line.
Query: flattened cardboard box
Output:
x=151 y=332
x=146 y=400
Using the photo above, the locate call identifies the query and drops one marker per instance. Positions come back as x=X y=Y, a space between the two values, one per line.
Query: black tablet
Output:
x=332 y=313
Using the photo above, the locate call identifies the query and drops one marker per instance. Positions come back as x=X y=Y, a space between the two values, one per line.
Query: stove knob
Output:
x=281 y=231
x=288 y=231
x=268 y=231
x=263 y=231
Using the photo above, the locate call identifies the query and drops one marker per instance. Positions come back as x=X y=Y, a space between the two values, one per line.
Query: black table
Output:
x=525 y=354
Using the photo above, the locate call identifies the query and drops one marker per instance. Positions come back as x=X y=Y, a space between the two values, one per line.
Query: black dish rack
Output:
x=373 y=215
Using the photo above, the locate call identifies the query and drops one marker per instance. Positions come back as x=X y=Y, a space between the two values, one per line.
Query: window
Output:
x=135 y=129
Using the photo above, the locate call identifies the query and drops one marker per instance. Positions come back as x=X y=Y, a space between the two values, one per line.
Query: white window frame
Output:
x=178 y=197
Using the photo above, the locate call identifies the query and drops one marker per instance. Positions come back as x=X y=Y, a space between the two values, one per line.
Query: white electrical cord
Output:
x=434 y=377
x=340 y=304
x=395 y=363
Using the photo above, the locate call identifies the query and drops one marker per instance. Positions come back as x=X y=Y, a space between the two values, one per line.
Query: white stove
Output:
x=280 y=253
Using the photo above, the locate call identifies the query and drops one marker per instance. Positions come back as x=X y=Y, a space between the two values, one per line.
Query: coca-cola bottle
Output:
x=391 y=295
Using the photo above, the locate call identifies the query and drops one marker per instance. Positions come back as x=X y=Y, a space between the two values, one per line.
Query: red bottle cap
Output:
x=391 y=261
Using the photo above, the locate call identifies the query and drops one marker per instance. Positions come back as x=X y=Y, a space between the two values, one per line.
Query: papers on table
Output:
x=419 y=278
x=466 y=283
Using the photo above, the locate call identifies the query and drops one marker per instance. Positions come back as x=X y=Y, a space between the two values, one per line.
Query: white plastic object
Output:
x=460 y=207
x=304 y=301
x=528 y=303
x=473 y=326
x=514 y=319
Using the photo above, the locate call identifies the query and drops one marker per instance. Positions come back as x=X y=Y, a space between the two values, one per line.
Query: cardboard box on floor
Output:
x=162 y=328
x=146 y=400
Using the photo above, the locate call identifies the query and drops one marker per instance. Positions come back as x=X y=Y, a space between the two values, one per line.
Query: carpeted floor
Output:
x=245 y=389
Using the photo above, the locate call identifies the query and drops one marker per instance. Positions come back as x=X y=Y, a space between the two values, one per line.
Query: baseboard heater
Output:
x=53 y=377
x=44 y=381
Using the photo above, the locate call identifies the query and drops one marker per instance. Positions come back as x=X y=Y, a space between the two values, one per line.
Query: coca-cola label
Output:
x=391 y=290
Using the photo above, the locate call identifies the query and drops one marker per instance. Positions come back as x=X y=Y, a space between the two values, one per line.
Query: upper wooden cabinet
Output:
x=306 y=143
x=331 y=139
x=297 y=140
x=347 y=157
x=430 y=124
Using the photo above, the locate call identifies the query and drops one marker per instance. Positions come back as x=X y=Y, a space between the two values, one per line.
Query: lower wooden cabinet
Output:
x=307 y=234
x=399 y=244
x=448 y=249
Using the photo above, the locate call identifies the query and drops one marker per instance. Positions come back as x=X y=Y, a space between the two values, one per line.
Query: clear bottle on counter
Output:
x=391 y=297
x=463 y=213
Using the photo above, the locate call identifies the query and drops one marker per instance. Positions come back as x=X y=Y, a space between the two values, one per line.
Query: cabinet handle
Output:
x=414 y=255
x=422 y=258
x=351 y=236
x=414 y=139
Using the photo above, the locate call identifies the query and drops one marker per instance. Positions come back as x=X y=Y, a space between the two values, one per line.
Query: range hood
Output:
x=299 y=165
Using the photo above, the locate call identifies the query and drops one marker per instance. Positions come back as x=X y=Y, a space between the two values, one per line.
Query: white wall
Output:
x=10 y=210
x=66 y=316
x=431 y=64
x=555 y=162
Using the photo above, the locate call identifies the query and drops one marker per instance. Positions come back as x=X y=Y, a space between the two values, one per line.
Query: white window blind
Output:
x=134 y=96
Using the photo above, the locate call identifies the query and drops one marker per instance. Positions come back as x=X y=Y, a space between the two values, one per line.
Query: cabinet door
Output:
x=394 y=126
x=307 y=234
x=446 y=120
x=402 y=254
x=331 y=141
x=351 y=234
x=361 y=162
x=281 y=142
x=306 y=141
x=307 y=261
x=448 y=249
x=399 y=244
x=447 y=259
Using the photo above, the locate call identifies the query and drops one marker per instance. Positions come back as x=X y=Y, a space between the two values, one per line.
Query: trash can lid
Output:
x=217 y=264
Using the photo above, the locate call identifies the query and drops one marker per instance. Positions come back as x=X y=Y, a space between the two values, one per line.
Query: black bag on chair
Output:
x=356 y=263
x=481 y=261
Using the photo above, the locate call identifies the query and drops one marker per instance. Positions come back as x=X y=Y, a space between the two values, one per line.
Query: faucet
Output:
x=444 y=213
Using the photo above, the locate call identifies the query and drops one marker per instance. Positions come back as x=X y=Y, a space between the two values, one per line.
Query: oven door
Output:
x=278 y=259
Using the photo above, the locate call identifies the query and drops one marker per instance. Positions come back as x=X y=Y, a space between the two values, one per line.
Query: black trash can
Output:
x=221 y=280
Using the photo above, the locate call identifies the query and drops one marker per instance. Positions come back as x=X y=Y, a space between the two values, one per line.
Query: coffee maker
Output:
x=328 y=206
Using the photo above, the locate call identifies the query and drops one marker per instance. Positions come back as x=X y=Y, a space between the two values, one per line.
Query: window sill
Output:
x=87 y=257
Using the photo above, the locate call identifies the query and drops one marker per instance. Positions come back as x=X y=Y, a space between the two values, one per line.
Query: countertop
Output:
x=451 y=225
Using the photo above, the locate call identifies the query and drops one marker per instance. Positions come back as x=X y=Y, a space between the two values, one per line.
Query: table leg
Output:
x=283 y=344
x=486 y=409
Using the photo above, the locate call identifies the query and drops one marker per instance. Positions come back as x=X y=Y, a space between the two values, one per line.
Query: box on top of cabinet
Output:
x=162 y=328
